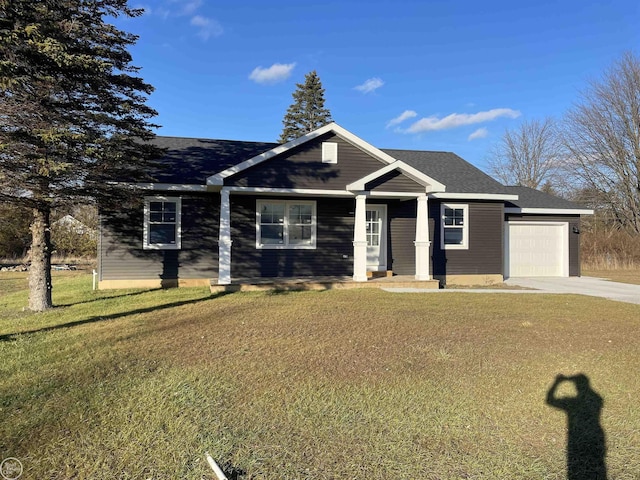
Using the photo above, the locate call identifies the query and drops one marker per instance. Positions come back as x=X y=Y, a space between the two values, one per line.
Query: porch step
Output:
x=381 y=274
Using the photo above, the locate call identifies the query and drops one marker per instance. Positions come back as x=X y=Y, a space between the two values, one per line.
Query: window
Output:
x=285 y=224
x=454 y=231
x=162 y=223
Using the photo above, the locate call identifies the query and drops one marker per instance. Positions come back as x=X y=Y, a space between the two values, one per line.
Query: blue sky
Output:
x=446 y=75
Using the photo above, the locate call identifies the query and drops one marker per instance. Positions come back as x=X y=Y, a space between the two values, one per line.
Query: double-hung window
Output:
x=162 y=223
x=454 y=230
x=285 y=224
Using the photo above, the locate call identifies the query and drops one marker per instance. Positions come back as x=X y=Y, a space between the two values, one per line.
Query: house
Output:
x=331 y=204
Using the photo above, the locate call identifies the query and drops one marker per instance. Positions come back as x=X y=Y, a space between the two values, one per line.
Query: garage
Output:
x=536 y=249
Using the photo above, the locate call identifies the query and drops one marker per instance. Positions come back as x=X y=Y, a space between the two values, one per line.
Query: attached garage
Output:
x=536 y=249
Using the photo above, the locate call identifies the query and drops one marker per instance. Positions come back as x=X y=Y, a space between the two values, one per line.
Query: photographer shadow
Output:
x=586 y=447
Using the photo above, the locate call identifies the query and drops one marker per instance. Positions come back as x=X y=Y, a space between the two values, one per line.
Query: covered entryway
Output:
x=536 y=249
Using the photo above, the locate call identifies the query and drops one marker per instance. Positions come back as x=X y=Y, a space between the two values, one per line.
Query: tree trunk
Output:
x=40 y=253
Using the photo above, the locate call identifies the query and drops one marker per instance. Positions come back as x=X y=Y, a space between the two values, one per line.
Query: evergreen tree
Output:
x=307 y=112
x=73 y=118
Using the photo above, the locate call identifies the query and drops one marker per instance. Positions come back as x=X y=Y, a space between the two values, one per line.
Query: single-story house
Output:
x=331 y=204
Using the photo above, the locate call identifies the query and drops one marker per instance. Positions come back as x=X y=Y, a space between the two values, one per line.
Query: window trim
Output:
x=147 y=211
x=465 y=227
x=286 y=245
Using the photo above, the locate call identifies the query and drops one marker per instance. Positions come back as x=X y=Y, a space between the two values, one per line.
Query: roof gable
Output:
x=218 y=178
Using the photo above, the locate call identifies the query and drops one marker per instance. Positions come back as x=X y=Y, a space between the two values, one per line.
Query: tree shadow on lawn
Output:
x=108 y=297
x=586 y=445
x=13 y=336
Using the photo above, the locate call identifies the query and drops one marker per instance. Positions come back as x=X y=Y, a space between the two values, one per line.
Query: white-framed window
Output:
x=454 y=226
x=162 y=223
x=286 y=224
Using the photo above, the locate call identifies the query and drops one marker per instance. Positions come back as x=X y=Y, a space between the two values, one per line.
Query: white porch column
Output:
x=360 y=240
x=422 y=242
x=224 y=239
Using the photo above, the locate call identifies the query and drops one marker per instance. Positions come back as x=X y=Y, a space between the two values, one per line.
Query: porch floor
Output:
x=320 y=283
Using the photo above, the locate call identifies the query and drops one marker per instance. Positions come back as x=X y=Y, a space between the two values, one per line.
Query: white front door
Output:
x=376 y=237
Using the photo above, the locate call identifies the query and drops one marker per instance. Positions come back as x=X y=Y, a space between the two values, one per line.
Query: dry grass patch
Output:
x=338 y=384
x=630 y=275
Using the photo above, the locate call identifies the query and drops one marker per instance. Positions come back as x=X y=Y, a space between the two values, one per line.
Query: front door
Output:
x=376 y=238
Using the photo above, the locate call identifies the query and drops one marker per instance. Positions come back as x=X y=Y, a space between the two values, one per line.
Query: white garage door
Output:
x=535 y=249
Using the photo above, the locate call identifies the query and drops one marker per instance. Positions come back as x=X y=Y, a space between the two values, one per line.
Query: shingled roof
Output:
x=457 y=174
x=530 y=198
x=192 y=160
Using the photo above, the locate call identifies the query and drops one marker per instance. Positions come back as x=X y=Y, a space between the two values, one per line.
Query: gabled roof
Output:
x=535 y=201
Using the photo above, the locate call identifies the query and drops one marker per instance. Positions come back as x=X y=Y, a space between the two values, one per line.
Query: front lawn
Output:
x=357 y=384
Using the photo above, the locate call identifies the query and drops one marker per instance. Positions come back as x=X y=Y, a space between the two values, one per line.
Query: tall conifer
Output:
x=72 y=114
x=307 y=112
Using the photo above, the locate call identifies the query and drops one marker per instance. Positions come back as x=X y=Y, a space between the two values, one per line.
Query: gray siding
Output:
x=574 y=238
x=302 y=167
x=121 y=256
x=333 y=254
x=395 y=182
x=485 y=253
x=402 y=233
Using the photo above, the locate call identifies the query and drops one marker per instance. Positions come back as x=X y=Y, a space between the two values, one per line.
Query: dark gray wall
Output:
x=574 y=238
x=302 y=167
x=333 y=254
x=402 y=234
x=395 y=182
x=485 y=253
x=121 y=256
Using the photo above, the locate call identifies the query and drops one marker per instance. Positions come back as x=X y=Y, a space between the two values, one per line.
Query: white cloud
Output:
x=274 y=74
x=401 y=118
x=188 y=8
x=455 y=120
x=207 y=27
x=480 y=133
x=370 y=85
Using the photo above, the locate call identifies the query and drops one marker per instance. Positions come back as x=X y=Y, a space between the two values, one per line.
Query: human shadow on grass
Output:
x=586 y=445
x=113 y=316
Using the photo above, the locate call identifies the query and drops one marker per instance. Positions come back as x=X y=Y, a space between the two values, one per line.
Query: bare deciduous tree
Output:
x=602 y=136
x=528 y=155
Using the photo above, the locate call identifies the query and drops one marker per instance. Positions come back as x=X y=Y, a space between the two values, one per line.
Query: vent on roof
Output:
x=329 y=152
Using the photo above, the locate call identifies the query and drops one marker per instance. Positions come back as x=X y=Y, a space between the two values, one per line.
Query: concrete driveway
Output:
x=594 y=287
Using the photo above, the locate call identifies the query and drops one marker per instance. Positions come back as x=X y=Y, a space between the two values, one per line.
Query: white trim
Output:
x=218 y=178
x=147 y=217
x=286 y=245
x=550 y=211
x=377 y=193
x=426 y=181
x=465 y=227
x=565 y=244
x=291 y=191
x=473 y=196
x=172 y=187
x=224 y=239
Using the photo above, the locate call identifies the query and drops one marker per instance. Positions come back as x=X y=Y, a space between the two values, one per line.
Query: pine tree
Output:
x=307 y=112
x=73 y=115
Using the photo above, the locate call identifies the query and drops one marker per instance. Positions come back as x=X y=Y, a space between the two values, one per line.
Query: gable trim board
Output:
x=220 y=229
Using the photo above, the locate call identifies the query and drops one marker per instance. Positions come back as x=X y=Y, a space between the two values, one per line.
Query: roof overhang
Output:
x=473 y=196
x=550 y=211
x=218 y=178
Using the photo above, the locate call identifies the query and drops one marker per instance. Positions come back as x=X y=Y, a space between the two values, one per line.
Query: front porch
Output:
x=320 y=283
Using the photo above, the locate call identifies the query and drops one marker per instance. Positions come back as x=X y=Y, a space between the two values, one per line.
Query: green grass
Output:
x=356 y=384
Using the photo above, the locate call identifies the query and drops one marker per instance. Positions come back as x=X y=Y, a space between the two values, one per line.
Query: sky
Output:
x=419 y=75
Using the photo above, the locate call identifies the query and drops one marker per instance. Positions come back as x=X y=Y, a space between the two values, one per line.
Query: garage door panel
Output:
x=536 y=250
